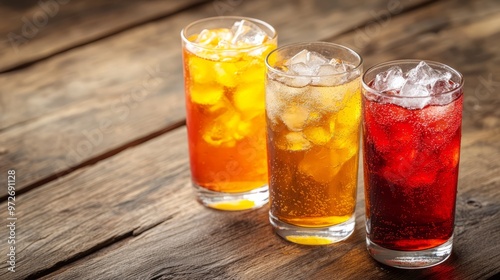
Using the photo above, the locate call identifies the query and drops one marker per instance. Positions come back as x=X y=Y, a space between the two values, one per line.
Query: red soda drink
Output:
x=411 y=157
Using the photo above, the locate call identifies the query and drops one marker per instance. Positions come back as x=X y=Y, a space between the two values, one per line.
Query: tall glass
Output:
x=313 y=141
x=411 y=153
x=224 y=76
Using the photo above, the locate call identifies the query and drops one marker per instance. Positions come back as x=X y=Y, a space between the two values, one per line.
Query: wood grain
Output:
x=34 y=30
x=197 y=243
x=131 y=215
x=92 y=100
x=92 y=207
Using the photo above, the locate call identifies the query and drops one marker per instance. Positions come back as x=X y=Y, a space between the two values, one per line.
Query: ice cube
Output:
x=325 y=99
x=317 y=163
x=392 y=79
x=422 y=74
x=279 y=95
x=305 y=63
x=247 y=33
x=297 y=142
x=419 y=84
x=224 y=130
x=339 y=65
x=315 y=59
x=301 y=69
x=205 y=94
x=225 y=73
x=443 y=99
x=206 y=37
x=296 y=82
x=223 y=44
x=327 y=69
x=214 y=37
x=415 y=89
x=418 y=102
x=340 y=156
x=318 y=135
x=295 y=117
x=248 y=100
x=308 y=58
x=440 y=87
x=426 y=79
x=300 y=57
x=328 y=75
x=200 y=70
x=443 y=85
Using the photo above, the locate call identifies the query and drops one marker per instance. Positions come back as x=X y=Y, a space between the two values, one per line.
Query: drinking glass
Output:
x=411 y=147
x=224 y=76
x=313 y=108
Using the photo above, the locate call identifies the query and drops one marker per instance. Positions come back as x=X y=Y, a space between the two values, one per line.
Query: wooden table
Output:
x=92 y=121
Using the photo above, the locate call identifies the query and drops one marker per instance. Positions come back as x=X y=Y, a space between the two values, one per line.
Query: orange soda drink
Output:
x=313 y=104
x=224 y=80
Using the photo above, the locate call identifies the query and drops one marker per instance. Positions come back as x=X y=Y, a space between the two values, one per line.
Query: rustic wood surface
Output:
x=116 y=84
x=92 y=120
x=35 y=30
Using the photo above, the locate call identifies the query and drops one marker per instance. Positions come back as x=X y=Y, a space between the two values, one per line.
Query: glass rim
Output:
x=416 y=62
x=253 y=20
x=288 y=75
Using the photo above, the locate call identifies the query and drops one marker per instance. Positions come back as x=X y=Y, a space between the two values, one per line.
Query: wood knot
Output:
x=474 y=204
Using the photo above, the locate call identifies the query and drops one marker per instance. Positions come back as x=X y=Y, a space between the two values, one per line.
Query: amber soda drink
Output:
x=412 y=129
x=224 y=74
x=313 y=108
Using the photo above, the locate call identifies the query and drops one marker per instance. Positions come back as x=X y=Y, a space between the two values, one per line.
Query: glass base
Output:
x=410 y=259
x=313 y=236
x=232 y=201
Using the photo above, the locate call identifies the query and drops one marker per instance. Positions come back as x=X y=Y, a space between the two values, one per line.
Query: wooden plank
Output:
x=33 y=30
x=86 y=102
x=92 y=207
x=197 y=243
